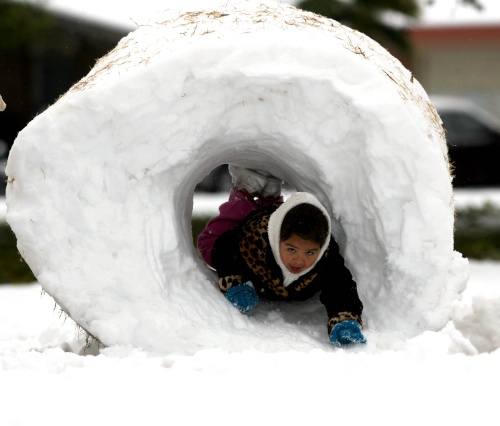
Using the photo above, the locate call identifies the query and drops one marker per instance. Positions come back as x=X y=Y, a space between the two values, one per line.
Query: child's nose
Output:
x=300 y=259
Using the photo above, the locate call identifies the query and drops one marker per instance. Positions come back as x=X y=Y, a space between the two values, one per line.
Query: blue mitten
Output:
x=346 y=333
x=243 y=297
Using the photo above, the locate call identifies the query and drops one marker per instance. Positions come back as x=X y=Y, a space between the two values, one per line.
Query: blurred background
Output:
x=452 y=48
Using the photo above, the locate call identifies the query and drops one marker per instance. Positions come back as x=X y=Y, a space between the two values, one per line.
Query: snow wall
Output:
x=101 y=184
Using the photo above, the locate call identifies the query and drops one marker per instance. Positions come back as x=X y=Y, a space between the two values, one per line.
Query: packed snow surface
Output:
x=101 y=184
x=437 y=378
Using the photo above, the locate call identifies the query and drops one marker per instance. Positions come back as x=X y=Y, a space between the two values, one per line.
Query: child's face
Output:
x=298 y=254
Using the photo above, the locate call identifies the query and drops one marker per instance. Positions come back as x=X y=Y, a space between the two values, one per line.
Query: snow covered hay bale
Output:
x=101 y=184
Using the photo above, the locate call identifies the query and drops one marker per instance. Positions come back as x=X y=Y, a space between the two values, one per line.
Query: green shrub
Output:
x=198 y=224
x=477 y=245
x=477 y=232
x=13 y=269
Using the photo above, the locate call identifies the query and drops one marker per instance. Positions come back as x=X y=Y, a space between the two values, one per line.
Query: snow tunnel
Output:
x=101 y=184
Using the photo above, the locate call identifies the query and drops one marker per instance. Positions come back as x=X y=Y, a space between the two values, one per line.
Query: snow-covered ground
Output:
x=434 y=379
x=47 y=377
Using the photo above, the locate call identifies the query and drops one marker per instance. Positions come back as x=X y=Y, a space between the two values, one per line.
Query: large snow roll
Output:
x=101 y=184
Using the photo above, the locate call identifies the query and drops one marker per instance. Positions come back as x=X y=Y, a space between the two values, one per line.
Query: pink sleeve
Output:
x=231 y=213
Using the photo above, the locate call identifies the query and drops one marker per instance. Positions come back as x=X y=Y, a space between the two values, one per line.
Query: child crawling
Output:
x=262 y=246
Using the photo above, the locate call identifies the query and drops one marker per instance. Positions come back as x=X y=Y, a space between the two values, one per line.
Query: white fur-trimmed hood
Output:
x=274 y=228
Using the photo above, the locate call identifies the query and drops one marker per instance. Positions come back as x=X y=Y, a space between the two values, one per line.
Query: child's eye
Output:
x=291 y=250
x=310 y=253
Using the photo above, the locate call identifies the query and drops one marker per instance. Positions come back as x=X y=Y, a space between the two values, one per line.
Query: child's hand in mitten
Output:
x=243 y=297
x=346 y=333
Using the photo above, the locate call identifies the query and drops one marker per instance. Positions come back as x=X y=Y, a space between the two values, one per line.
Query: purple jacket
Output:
x=231 y=213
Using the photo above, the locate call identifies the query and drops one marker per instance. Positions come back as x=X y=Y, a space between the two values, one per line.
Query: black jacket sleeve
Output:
x=339 y=292
x=227 y=260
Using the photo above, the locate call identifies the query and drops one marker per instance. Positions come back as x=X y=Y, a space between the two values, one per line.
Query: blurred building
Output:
x=461 y=60
x=34 y=74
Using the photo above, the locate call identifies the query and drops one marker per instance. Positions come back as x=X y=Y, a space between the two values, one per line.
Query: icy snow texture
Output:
x=101 y=184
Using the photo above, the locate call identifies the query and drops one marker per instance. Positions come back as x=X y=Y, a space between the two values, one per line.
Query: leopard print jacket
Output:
x=243 y=254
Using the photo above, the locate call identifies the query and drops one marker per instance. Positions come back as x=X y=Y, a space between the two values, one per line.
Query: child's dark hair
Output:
x=306 y=221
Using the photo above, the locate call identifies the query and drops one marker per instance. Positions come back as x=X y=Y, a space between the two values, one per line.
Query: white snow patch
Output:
x=47 y=379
